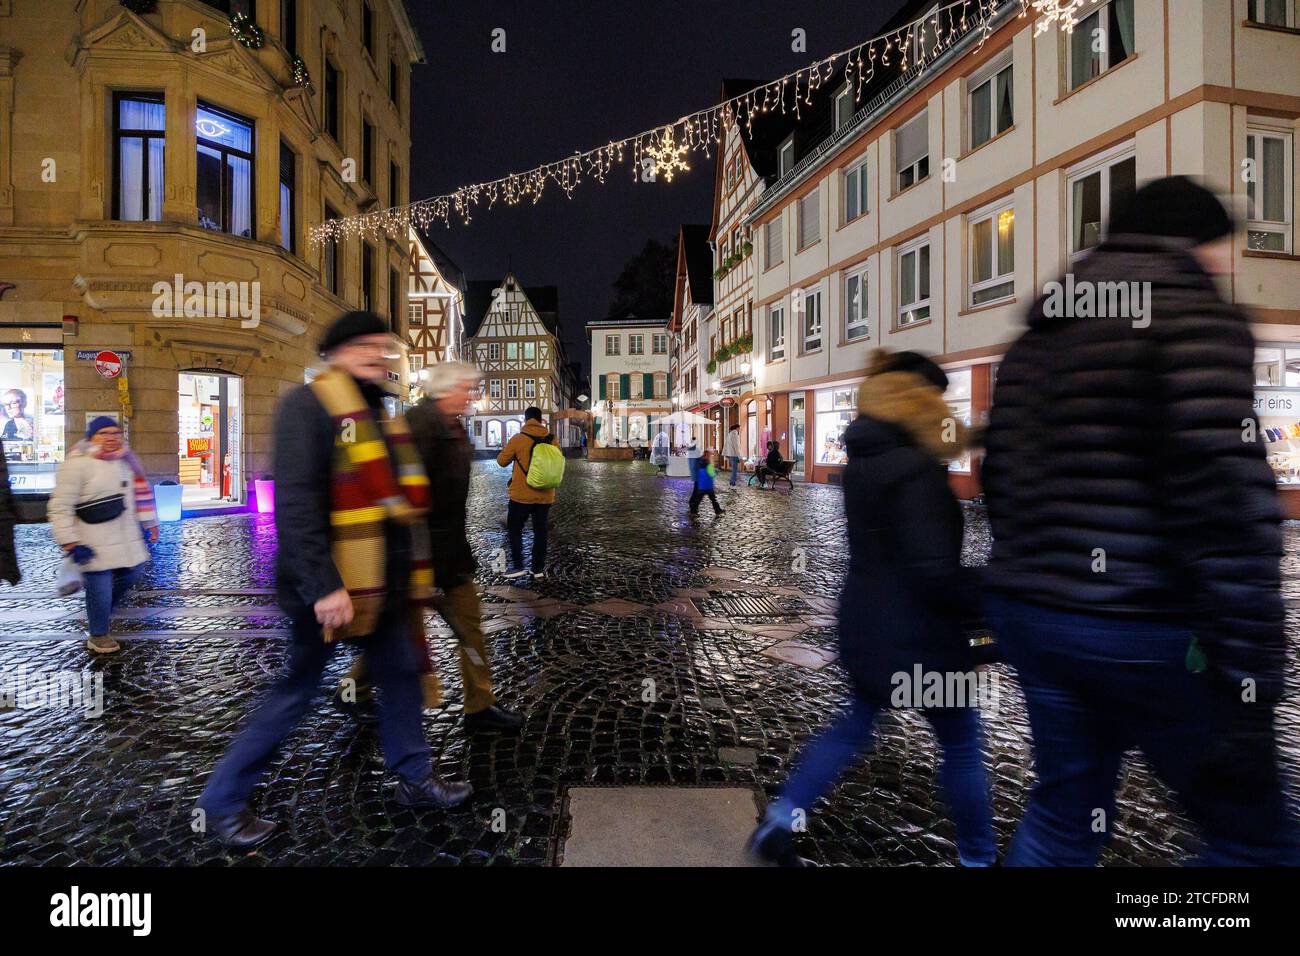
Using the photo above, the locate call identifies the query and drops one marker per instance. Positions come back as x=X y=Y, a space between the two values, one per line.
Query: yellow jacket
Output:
x=520 y=450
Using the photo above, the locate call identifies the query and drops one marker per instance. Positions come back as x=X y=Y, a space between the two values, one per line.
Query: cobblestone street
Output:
x=732 y=619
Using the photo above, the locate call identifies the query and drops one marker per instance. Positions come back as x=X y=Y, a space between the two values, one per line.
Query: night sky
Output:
x=576 y=75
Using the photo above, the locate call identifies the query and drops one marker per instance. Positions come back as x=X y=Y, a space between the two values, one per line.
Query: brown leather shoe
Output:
x=102 y=645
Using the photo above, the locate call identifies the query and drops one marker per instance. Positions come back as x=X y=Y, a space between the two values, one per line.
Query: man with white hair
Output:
x=446 y=451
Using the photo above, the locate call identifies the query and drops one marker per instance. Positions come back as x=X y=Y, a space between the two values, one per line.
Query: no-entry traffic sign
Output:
x=108 y=364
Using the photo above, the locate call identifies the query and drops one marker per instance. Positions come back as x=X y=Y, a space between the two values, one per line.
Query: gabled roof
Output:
x=447 y=268
x=478 y=299
x=696 y=259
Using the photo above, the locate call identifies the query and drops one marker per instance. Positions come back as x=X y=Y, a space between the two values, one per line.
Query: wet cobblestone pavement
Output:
x=731 y=619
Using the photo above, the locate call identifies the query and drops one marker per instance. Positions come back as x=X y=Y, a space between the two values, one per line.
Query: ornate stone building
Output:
x=159 y=173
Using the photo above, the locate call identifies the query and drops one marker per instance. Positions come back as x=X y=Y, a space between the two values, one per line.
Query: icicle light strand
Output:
x=661 y=152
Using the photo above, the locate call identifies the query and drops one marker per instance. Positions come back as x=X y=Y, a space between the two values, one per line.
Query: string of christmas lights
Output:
x=662 y=151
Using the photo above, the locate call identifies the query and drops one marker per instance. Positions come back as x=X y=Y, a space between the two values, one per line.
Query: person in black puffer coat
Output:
x=902 y=607
x=1136 y=543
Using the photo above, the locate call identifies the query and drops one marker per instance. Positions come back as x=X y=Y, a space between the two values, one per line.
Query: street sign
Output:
x=108 y=364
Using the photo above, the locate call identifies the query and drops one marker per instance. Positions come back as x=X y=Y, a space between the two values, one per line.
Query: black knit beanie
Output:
x=351 y=325
x=1176 y=207
x=918 y=364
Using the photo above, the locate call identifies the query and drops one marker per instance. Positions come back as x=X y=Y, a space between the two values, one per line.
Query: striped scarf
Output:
x=366 y=490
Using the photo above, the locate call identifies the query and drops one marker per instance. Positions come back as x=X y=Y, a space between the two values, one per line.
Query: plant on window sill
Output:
x=243 y=29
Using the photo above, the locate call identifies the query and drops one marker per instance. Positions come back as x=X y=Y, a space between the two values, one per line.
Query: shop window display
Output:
x=32 y=426
x=958 y=397
x=1277 y=406
x=836 y=410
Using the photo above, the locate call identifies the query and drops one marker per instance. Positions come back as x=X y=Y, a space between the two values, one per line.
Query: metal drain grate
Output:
x=741 y=605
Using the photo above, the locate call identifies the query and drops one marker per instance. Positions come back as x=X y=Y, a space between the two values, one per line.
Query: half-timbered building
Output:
x=515 y=340
x=435 y=310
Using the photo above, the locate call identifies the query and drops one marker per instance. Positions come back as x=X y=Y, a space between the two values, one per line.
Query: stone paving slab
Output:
x=659 y=826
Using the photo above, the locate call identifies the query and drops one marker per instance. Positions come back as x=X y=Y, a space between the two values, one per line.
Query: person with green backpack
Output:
x=538 y=469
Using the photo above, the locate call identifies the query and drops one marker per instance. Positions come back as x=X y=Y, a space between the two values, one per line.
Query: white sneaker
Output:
x=515 y=575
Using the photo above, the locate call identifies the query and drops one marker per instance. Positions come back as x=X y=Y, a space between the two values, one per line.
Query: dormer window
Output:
x=844 y=103
x=785 y=158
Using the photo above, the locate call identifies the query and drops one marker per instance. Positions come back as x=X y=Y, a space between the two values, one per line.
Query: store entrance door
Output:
x=798 y=424
x=211 y=426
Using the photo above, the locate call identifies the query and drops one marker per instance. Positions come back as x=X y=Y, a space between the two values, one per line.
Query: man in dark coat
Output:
x=1136 y=540
x=447 y=454
x=311 y=590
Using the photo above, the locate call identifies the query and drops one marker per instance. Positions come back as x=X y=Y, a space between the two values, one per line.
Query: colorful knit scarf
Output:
x=366 y=490
x=145 y=511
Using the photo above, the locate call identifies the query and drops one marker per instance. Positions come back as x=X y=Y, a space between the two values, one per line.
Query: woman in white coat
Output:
x=101 y=512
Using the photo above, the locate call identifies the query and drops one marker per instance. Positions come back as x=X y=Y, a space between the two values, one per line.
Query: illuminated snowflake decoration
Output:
x=1064 y=12
x=667 y=154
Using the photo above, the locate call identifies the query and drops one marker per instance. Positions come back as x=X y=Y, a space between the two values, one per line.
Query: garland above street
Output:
x=662 y=151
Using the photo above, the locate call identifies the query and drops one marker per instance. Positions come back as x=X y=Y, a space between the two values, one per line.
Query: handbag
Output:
x=69 y=579
x=102 y=509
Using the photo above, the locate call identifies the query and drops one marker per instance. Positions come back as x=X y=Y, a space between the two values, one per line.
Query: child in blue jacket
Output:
x=704 y=475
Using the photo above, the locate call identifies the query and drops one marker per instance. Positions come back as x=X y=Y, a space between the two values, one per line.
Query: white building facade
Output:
x=630 y=378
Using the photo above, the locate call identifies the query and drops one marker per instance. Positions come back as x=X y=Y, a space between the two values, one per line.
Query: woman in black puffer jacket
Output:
x=902 y=606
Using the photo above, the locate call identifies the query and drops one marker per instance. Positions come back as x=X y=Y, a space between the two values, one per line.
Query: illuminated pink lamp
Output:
x=264 y=489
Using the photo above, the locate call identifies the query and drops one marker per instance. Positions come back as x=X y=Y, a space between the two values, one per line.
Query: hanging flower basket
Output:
x=712 y=366
x=243 y=29
x=298 y=71
x=746 y=248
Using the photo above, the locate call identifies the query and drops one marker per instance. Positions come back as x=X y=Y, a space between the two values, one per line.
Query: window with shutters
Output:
x=989 y=102
x=636 y=389
x=855 y=191
x=773 y=247
x=1275 y=13
x=809 y=219
x=1269 y=189
x=844 y=104
x=912 y=152
x=913 y=282
x=776 y=333
x=992 y=254
x=612 y=384
x=856 y=316
x=1099 y=41
x=1095 y=187
x=809 y=302
x=288 y=194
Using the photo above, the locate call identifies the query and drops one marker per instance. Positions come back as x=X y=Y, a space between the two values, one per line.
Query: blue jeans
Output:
x=962 y=776
x=392 y=665
x=735 y=469
x=1097 y=686
x=104 y=590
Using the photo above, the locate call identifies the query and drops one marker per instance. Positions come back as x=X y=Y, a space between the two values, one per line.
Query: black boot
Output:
x=242 y=830
x=494 y=718
x=433 y=793
x=773 y=844
x=363 y=713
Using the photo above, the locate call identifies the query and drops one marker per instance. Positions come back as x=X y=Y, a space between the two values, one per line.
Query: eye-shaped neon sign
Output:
x=211 y=128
